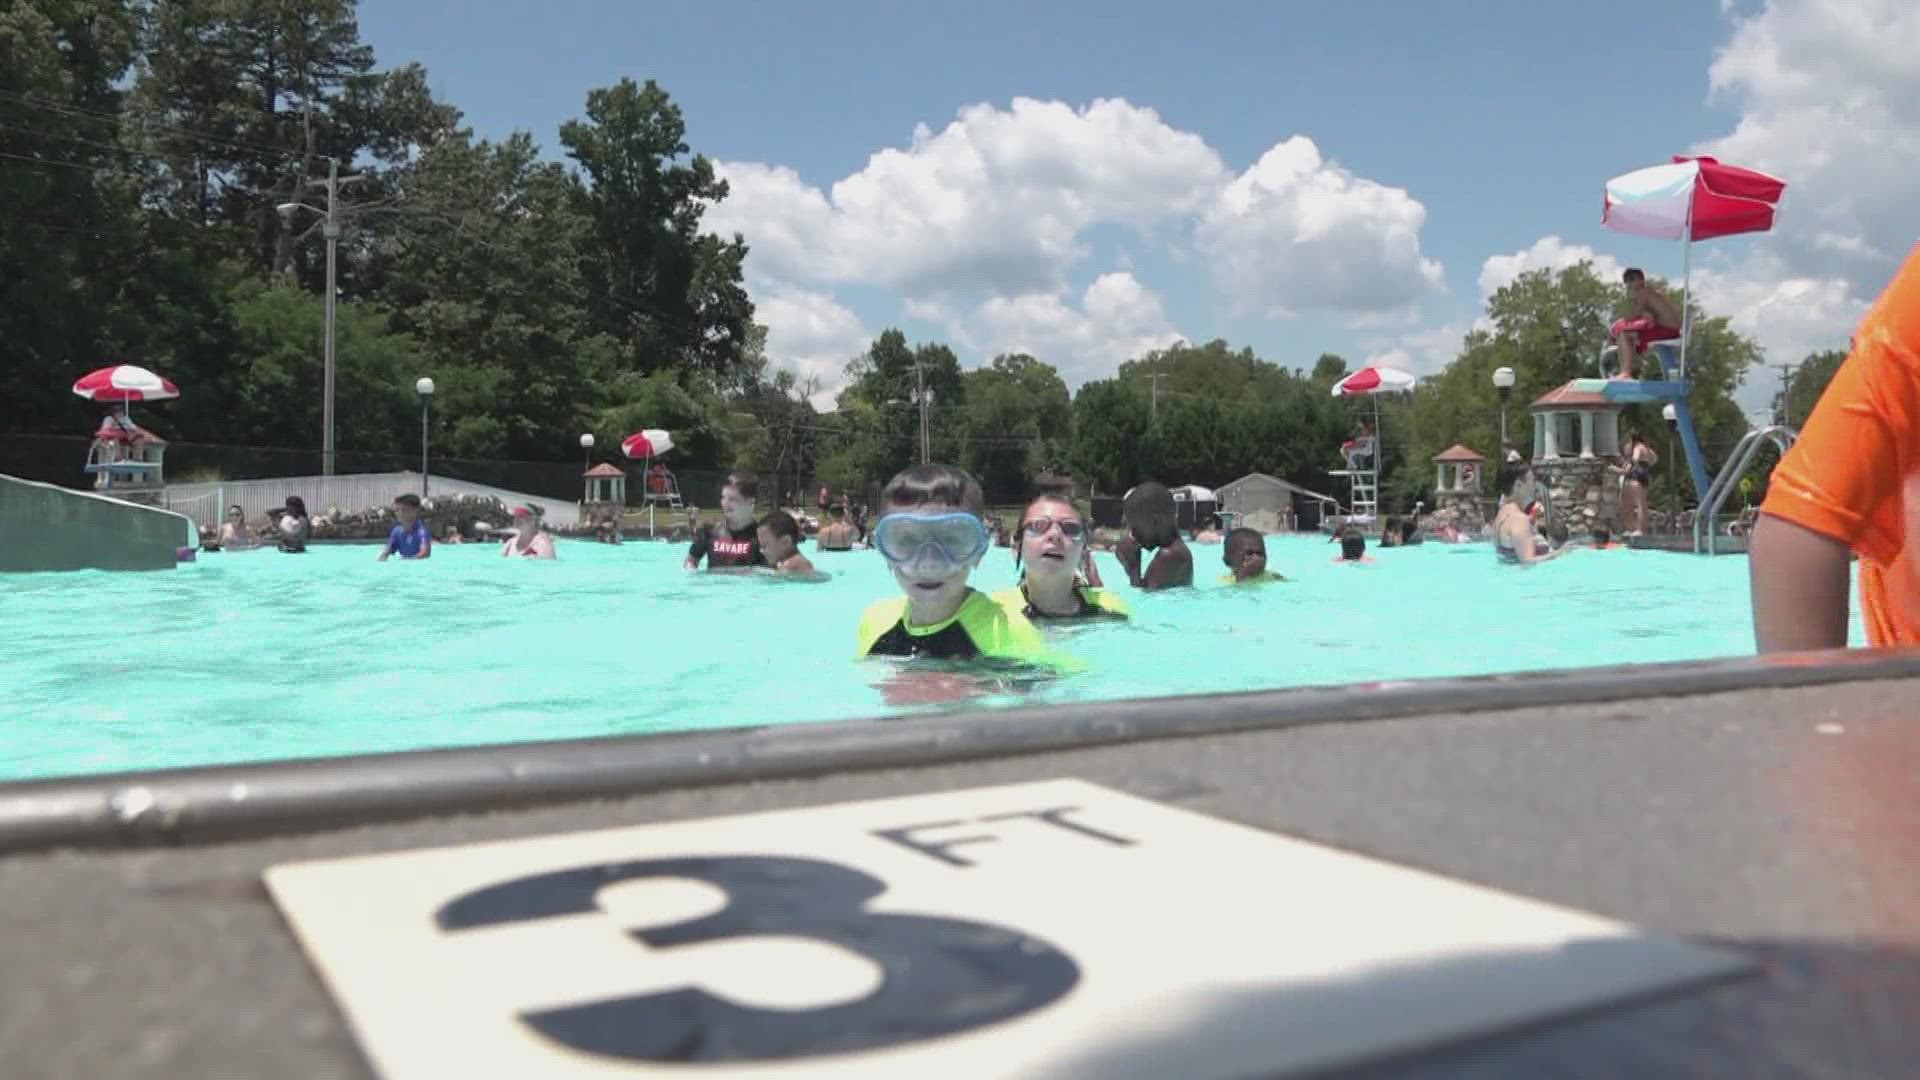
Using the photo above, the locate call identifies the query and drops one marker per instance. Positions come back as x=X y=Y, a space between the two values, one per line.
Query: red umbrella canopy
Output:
x=1374 y=379
x=645 y=444
x=1695 y=198
x=124 y=382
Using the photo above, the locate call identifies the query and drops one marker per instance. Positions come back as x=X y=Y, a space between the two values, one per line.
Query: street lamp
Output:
x=586 y=450
x=1672 y=417
x=424 y=387
x=1503 y=382
x=329 y=228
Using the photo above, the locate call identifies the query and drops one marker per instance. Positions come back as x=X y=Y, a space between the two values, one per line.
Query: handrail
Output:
x=1704 y=537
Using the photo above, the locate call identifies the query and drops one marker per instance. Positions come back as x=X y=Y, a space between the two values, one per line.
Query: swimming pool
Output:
x=257 y=655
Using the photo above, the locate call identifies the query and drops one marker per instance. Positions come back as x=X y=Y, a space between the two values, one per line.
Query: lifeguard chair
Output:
x=661 y=486
x=127 y=460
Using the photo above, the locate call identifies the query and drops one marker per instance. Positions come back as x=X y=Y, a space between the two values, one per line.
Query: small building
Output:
x=605 y=495
x=127 y=460
x=1575 y=421
x=1458 y=474
x=1457 y=471
x=1576 y=435
x=1267 y=503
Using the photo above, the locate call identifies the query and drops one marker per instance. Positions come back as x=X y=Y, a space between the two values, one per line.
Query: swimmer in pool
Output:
x=1153 y=524
x=1245 y=553
x=411 y=539
x=1513 y=525
x=735 y=542
x=1052 y=544
x=527 y=541
x=1353 y=547
x=780 y=540
x=932 y=533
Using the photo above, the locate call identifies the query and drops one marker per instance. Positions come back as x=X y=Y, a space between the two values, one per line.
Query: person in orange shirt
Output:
x=1850 y=485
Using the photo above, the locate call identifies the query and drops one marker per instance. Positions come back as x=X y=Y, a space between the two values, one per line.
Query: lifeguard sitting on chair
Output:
x=1653 y=318
x=1358 y=448
x=659 y=481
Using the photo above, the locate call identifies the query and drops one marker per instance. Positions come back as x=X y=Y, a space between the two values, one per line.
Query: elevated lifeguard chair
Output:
x=127 y=461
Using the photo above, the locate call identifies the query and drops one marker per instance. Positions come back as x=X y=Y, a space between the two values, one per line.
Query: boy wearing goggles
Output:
x=931 y=533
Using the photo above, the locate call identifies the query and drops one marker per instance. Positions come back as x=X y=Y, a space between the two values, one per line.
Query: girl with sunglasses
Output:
x=1051 y=550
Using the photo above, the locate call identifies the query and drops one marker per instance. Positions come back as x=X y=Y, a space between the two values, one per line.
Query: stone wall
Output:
x=374 y=523
x=1460 y=509
x=1585 y=493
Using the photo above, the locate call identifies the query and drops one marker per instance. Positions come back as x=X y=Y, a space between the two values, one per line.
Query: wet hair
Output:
x=1215 y=521
x=835 y=510
x=1026 y=514
x=781 y=523
x=296 y=506
x=1145 y=505
x=1238 y=542
x=235 y=509
x=1633 y=274
x=923 y=484
x=746 y=484
x=1601 y=535
x=1512 y=475
x=407 y=499
x=1353 y=546
x=1558 y=534
x=1409 y=527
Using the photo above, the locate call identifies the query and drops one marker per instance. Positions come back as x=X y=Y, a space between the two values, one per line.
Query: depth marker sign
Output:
x=1047 y=929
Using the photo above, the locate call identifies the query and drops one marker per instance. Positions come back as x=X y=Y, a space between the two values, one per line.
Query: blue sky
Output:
x=1500 y=119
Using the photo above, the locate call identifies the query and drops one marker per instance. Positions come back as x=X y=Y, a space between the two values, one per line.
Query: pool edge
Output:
x=222 y=802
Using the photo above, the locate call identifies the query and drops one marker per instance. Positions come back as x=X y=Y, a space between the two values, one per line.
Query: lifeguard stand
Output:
x=1363 y=477
x=606 y=493
x=127 y=461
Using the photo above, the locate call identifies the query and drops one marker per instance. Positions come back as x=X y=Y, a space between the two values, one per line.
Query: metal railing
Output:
x=1705 y=519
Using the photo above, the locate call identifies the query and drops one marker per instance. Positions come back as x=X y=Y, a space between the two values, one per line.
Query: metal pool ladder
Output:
x=1704 y=534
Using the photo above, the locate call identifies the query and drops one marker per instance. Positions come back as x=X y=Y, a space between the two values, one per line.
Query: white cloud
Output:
x=1830 y=102
x=1547 y=253
x=1117 y=319
x=1298 y=233
x=810 y=334
x=995 y=201
x=1422 y=352
x=990 y=215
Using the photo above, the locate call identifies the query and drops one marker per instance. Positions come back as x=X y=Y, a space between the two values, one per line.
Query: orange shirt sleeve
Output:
x=1844 y=478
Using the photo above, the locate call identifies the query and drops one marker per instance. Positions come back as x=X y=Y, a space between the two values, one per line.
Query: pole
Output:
x=331 y=230
x=426 y=407
x=920 y=395
x=1786 y=392
x=1686 y=281
x=1154 y=381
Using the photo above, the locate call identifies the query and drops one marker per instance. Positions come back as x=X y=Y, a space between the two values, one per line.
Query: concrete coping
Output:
x=203 y=804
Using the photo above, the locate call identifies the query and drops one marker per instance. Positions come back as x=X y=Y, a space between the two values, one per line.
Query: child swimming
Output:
x=932 y=535
x=1153 y=524
x=780 y=541
x=1052 y=545
x=1245 y=553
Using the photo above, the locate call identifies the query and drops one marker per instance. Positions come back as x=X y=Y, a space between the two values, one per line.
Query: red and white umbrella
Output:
x=646 y=444
x=1691 y=198
x=1374 y=379
x=124 y=382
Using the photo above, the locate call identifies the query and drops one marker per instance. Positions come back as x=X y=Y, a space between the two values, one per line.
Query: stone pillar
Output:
x=1586 y=435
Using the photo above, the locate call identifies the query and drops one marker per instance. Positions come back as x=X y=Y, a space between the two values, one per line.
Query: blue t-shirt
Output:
x=410 y=543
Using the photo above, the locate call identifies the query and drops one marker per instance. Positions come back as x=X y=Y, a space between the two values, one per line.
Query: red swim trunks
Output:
x=1645 y=328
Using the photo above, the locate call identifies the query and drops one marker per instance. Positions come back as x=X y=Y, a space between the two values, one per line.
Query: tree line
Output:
x=159 y=166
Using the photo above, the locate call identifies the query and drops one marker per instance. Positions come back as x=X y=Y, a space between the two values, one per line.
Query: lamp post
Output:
x=1672 y=418
x=330 y=229
x=424 y=387
x=586 y=450
x=1503 y=382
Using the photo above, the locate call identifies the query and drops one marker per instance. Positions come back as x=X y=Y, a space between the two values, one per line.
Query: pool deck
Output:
x=1772 y=808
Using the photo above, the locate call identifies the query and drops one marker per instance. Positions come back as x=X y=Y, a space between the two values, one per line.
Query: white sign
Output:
x=1055 y=929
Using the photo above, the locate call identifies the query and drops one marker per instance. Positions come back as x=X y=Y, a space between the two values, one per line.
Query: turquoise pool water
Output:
x=258 y=655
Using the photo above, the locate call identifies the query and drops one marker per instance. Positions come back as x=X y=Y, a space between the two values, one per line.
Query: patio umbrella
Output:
x=124 y=382
x=1692 y=198
x=645 y=444
x=1374 y=379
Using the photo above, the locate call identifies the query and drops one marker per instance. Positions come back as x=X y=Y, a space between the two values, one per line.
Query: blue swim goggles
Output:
x=958 y=537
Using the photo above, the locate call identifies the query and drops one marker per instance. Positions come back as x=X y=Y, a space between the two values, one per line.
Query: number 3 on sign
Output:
x=938 y=976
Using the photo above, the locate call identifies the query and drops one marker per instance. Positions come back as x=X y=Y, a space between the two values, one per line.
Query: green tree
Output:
x=1805 y=385
x=1016 y=420
x=669 y=294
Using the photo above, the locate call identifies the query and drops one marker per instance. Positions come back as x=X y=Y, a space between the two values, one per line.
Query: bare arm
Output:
x=1172 y=567
x=1800 y=580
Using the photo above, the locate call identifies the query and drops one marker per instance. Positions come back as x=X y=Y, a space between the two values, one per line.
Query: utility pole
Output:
x=1786 y=388
x=331 y=230
x=1154 y=379
x=920 y=396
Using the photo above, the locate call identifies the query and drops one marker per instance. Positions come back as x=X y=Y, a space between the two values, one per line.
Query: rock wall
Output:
x=1584 y=493
x=1462 y=510
x=374 y=523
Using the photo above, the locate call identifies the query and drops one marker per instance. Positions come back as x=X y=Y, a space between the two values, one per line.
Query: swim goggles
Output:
x=1069 y=528
x=959 y=537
